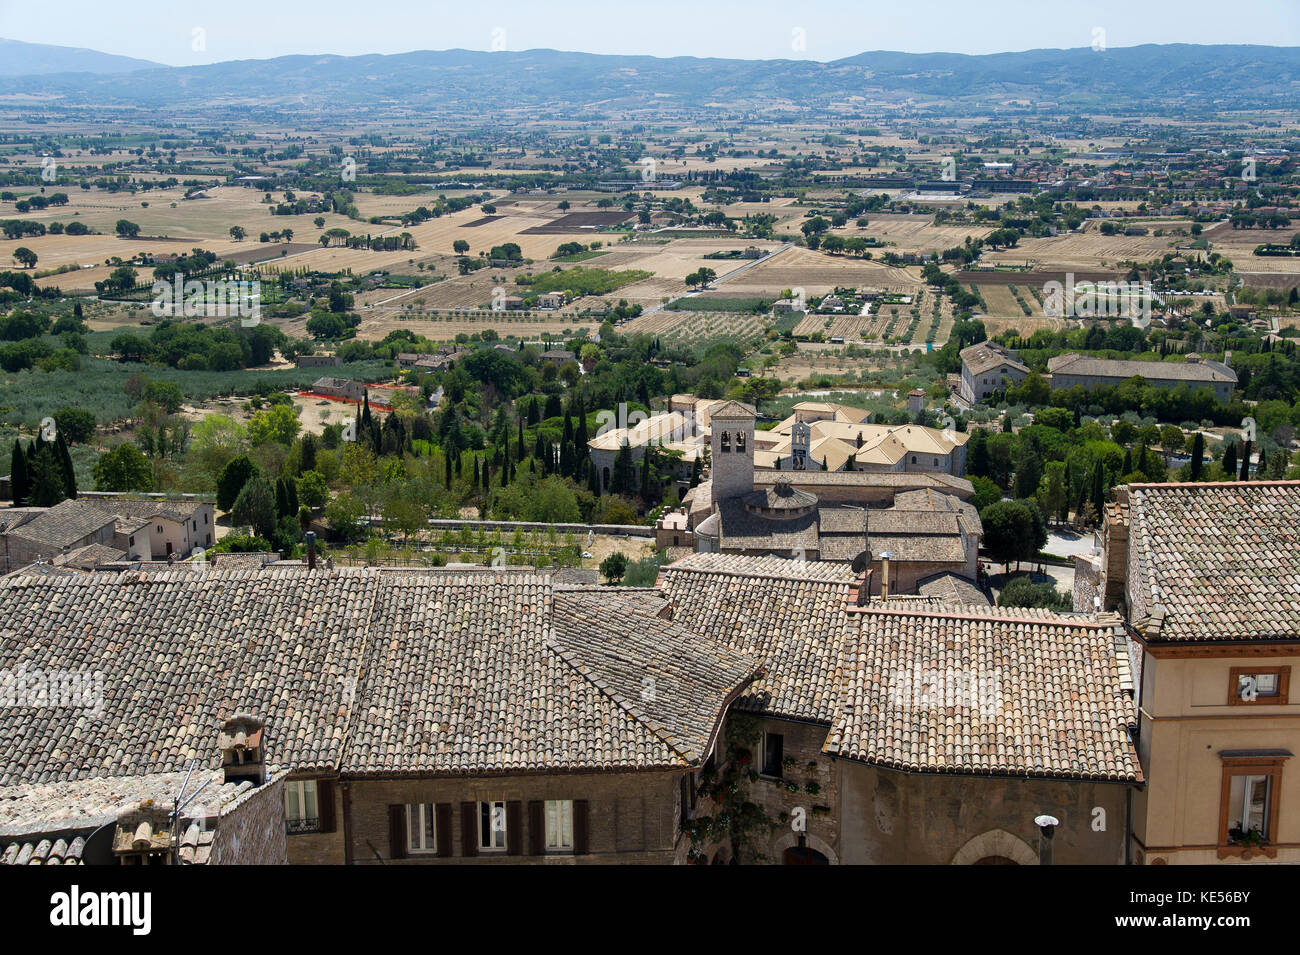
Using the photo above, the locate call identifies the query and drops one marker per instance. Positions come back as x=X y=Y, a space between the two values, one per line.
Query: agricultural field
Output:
x=817 y=274
x=700 y=328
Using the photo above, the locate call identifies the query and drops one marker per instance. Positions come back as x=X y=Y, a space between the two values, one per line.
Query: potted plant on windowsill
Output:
x=1247 y=843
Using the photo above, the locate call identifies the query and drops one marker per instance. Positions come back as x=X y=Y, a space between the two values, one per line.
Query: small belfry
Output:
x=732 y=450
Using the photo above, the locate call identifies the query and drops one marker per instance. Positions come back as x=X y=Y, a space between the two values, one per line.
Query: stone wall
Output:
x=1087 y=582
x=890 y=817
x=804 y=764
x=252 y=833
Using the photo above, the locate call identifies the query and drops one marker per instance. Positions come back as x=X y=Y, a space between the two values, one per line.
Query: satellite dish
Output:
x=861 y=562
x=99 y=846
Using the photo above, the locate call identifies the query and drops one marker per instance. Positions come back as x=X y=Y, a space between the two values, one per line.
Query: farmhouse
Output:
x=318 y=361
x=987 y=367
x=30 y=534
x=1069 y=371
x=344 y=388
x=104 y=529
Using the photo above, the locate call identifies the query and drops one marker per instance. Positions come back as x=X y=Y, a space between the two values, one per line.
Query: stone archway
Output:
x=791 y=839
x=995 y=846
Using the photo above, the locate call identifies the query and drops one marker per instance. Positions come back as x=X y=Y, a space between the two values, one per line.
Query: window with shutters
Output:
x=421 y=827
x=301 y=810
x=559 y=825
x=492 y=826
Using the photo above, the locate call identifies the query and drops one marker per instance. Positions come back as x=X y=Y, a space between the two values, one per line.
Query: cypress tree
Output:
x=1198 y=455
x=645 y=473
x=1098 y=491
x=307 y=454
x=566 y=447
x=1245 y=463
x=1230 y=460
x=19 y=482
x=65 y=461
x=46 y=475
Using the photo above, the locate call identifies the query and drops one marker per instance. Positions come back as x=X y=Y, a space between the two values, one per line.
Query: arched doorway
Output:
x=993 y=846
x=803 y=855
x=802 y=849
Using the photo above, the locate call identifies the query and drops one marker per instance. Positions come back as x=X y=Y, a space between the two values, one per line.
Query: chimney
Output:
x=884 y=575
x=864 y=589
x=310 y=540
x=243 y=756
x=1046 y=832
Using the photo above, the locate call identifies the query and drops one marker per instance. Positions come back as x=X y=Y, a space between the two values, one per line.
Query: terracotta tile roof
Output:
x=732 y=409
x=985 y=355
x=811 y=480
x=791 y=614
x=475 y=673
x=988 y=691
x=1123 y=369
x=1214 y=561
x=952 y=589
x=178 y=652
x=672 y=680
x=355 y=670
x=63 y=525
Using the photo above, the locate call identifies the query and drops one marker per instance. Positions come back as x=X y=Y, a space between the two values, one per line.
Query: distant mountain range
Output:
x=37 y=59
x=1178 y=76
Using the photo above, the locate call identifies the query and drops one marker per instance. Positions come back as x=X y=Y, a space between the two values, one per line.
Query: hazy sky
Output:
x=179 y=34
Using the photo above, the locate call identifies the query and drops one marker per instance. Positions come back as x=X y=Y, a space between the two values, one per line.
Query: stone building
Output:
x=1071 y=371
x=840 y=516
x=987 y=367
x=30 y=534
x=828 y=437
x=910 y=731
x=471 y=717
